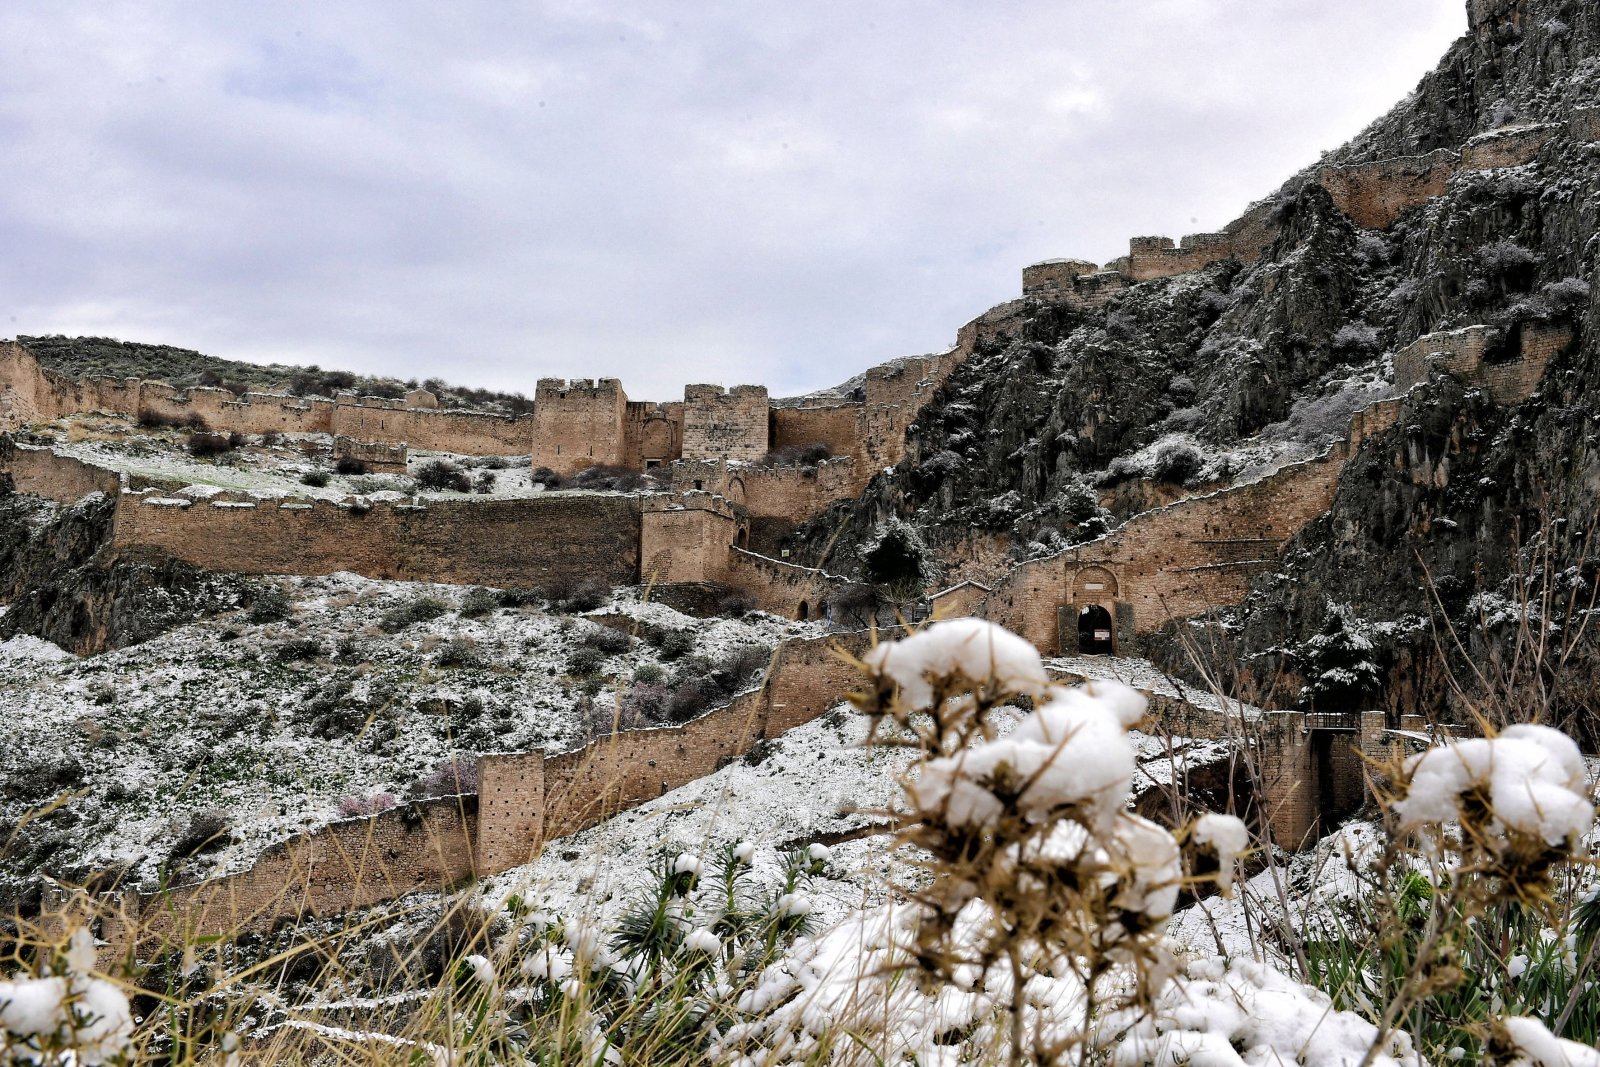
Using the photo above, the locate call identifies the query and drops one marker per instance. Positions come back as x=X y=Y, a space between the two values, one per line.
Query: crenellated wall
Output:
x=725 y=423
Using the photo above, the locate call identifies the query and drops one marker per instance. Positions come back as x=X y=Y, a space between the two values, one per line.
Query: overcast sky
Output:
x=742 y=191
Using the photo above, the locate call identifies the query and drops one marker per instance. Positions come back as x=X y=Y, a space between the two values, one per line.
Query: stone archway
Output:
x=657 y=444
x=1094 y=585
x=736 y=490
x=1096 y=634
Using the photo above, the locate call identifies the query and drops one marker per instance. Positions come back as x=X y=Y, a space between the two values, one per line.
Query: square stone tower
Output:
x=578 y=424
x=731 y=424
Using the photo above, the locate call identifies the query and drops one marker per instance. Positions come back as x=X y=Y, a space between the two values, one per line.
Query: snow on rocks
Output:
x=24 y=648
x=1533 y=777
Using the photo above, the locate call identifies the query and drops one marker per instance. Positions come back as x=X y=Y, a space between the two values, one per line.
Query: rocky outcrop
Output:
x=59 y=582
x=1490 y=223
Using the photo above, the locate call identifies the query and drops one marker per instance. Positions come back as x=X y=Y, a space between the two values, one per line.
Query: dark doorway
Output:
x=1094 y=631
x=805 y=611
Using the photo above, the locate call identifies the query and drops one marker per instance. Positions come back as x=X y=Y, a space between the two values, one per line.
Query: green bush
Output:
x=317 y=478
x=422 y=609
x=585 y=660
x=478 y=602
x=269 y=604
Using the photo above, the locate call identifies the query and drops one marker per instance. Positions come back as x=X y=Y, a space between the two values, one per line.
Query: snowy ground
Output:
x=224 y=715
x=817 y=783
x=1142 y=674
x=158 y=456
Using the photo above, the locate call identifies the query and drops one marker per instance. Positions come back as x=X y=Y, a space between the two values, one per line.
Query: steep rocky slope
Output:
x=1188 y=382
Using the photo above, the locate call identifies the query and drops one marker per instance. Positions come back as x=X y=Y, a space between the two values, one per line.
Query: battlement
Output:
x=1158 y=257
x=1054 y=275
x=557 y=389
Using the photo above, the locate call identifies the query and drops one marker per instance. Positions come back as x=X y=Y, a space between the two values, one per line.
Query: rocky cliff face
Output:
x=59 y=585
x=1193 y=381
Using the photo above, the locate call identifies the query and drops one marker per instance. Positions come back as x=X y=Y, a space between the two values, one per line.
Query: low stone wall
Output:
x=473 y=433
x=41 y=472
x=782 y=588
x=514 y=542
x=375 y=455
x=353 y=863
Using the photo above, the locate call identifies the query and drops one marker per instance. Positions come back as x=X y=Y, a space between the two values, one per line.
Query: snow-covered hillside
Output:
x=270 y=724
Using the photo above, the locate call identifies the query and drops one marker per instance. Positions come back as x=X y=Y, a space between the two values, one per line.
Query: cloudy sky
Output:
x=725 y=191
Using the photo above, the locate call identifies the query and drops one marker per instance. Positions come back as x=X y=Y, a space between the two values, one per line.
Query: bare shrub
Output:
x=206 y=832
x=355 y=807
x=203 y=445
x=441 y=474
x=456 y=775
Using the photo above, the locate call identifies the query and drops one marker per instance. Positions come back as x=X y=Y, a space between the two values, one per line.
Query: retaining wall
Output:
x=513 y=542
x=41 y=472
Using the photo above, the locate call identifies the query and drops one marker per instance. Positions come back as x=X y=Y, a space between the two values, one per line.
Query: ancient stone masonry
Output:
x=516 y=542
x=375 y=455
x=578 y=424
x=524 y=800
x=1373 y=195
x=1468 y=354
x=729 y=424
x=41 y=472
x=1173 y=562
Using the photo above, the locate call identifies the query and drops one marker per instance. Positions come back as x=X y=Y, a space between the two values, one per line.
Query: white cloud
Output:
x=735 y=191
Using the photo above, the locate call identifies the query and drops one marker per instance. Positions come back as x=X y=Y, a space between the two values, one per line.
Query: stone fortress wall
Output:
x=525 y=542
x=524 y=799
x=688 y=538
x=1373 y=195
x=1171 y=562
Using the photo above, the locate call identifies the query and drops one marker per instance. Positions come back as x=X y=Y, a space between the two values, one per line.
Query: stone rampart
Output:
x=652 y=434
x=511 y=542
x=524 y=800
x=353 y=863
x=1468 y=353
x=792 y=492
x=1374 y=195
x=685 y=539
x=782 y=588
x=838 y=426
x=473 y=433
x=41 y=472
x=1158 y=257
x=1172 y=562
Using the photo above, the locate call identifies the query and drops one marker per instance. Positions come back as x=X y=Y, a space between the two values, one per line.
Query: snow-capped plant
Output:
x=63 y=1014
